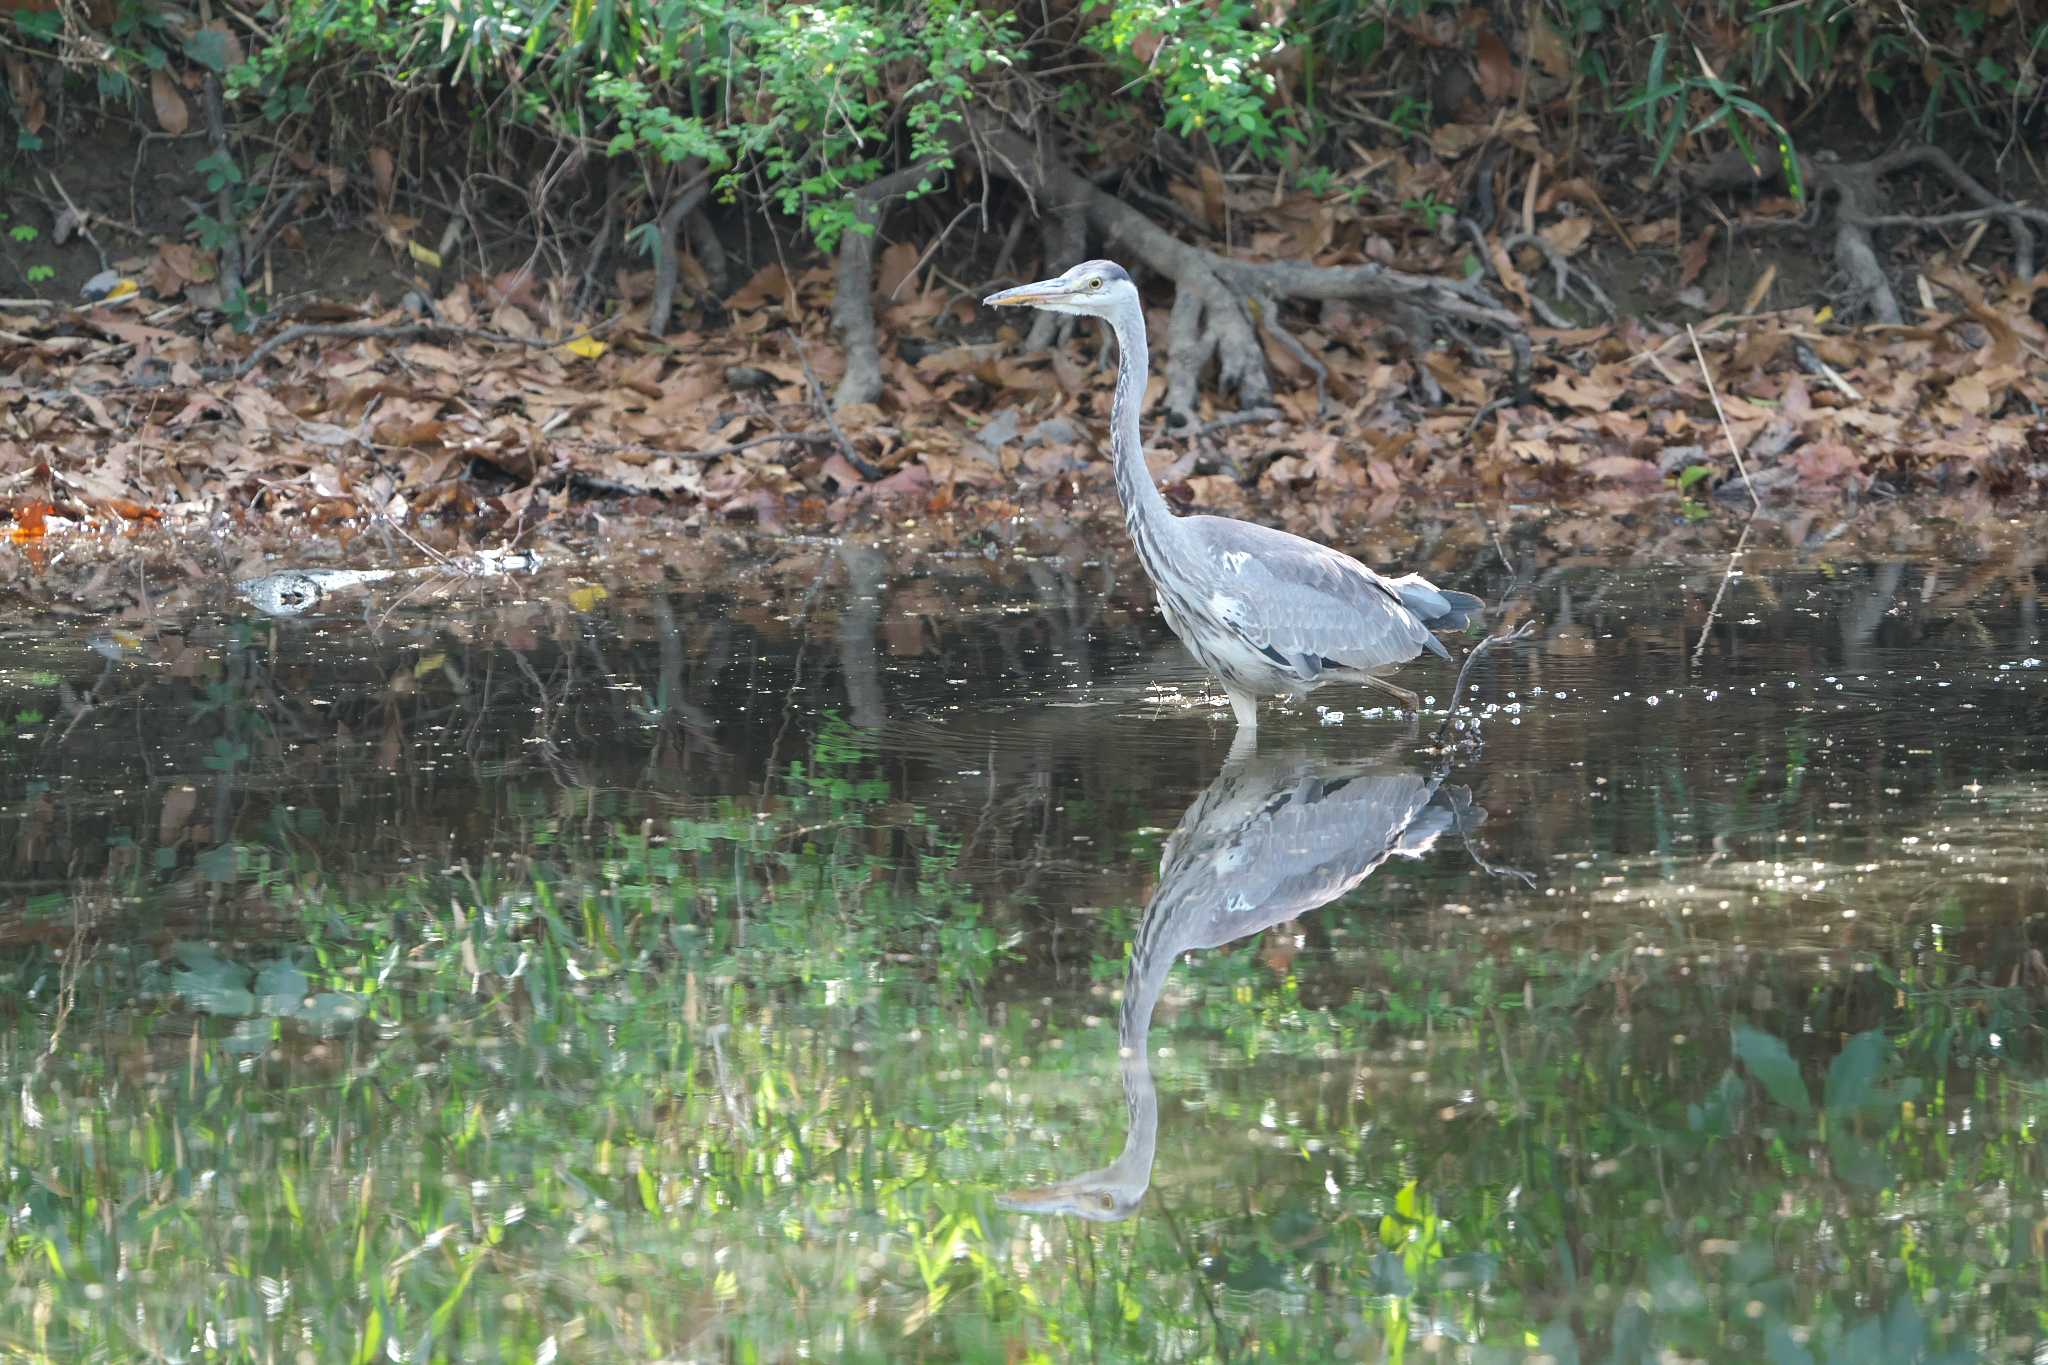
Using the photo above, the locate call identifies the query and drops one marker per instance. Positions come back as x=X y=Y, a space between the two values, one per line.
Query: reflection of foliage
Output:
x=740 y=1053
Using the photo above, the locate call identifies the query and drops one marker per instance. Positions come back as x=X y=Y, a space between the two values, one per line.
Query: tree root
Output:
x=1855 y=191
x=600 y=247
x=853 y=292
x=680 y=206
x=1221 y=304
x=232 y=265
x=706 y=245
x=1068 y=247
x=1569 y=281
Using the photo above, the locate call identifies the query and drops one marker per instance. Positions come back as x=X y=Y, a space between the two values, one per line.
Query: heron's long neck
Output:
x=1146 y=514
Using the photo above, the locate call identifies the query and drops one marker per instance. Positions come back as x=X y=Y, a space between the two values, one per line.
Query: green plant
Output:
x=1205 y=63
x=1431 y=210
x=1663 y=110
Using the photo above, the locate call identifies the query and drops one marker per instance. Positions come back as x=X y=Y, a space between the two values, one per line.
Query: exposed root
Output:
x=1567 y=280
x=600 y=246
x=1213 y=316
x=680 y=206
x=231 y=263
x=1852 y=192
x=853 y=293
x=1068 y=247
x=1268 y=313
x=709 y=251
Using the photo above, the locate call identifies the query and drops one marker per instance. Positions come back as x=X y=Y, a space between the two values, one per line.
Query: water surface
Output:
x=875 y=951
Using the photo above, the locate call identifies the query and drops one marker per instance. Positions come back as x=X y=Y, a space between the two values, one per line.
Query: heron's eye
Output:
x=1095 y=282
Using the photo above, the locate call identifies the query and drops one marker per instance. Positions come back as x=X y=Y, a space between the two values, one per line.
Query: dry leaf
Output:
x=384 y=171
x=1548 y=47
x=171 y=113
x=1497 y=75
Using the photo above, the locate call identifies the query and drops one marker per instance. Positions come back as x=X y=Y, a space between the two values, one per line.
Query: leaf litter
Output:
x=484 y=409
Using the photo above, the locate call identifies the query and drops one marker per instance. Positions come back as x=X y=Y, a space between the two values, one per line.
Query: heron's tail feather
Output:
x=1437 y=608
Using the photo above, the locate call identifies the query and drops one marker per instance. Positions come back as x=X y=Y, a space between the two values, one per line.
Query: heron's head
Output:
x=1092 y=289
x=1099 y=1196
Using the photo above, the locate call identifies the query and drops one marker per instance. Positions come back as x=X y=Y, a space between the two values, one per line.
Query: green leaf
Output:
x=1854 y=1072
x=280 y=988
x=218 y=864
x=212 y=984
x=209 y=48
x=1781 y=1349
x=1692 y=474
x=1772 y=1065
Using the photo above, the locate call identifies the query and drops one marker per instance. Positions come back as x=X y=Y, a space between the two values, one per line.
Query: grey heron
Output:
x=1269 y=840
x=1265 y=612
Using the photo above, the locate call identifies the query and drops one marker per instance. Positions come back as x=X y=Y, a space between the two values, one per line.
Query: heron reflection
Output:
x=1269 y=840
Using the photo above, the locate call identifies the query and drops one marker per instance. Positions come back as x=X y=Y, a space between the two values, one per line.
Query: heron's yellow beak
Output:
x=1025 y=295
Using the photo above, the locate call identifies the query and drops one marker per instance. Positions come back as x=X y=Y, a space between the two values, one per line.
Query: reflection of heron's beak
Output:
x=1045 y=291
x=1082 y=1197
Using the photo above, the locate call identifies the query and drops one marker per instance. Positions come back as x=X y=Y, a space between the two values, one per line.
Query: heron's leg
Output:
x=1244 y=745
x=1400 y=694
x=1246 y=707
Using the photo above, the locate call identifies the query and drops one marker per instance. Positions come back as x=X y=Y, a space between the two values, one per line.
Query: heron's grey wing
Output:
x=1305 y=605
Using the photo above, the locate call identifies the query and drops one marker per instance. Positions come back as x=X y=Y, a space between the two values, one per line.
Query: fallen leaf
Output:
x=1548 y=47
x=384 y=171
x=172 y=115
x=1497 y=76
x=1567 y=234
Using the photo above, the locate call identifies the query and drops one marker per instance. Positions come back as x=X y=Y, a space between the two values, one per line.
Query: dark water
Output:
x=879 y=953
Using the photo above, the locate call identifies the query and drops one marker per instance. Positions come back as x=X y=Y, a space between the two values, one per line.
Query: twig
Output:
x=846 y=450
x=231 y=262
x=1491 y=869
x=83 y=219
x=925 y=259
x=1756 y=502
x=1457 y=688
x=1727 y=575
x=1236 y=419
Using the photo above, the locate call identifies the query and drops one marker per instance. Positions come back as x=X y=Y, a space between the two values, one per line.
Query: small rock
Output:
x=1676 y=458
x=1053 y=431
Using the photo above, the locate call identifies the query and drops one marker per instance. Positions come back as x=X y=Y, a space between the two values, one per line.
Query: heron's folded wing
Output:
x=1304 y=604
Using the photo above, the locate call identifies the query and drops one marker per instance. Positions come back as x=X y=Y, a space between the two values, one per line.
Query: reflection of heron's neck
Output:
x=1152 y=961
